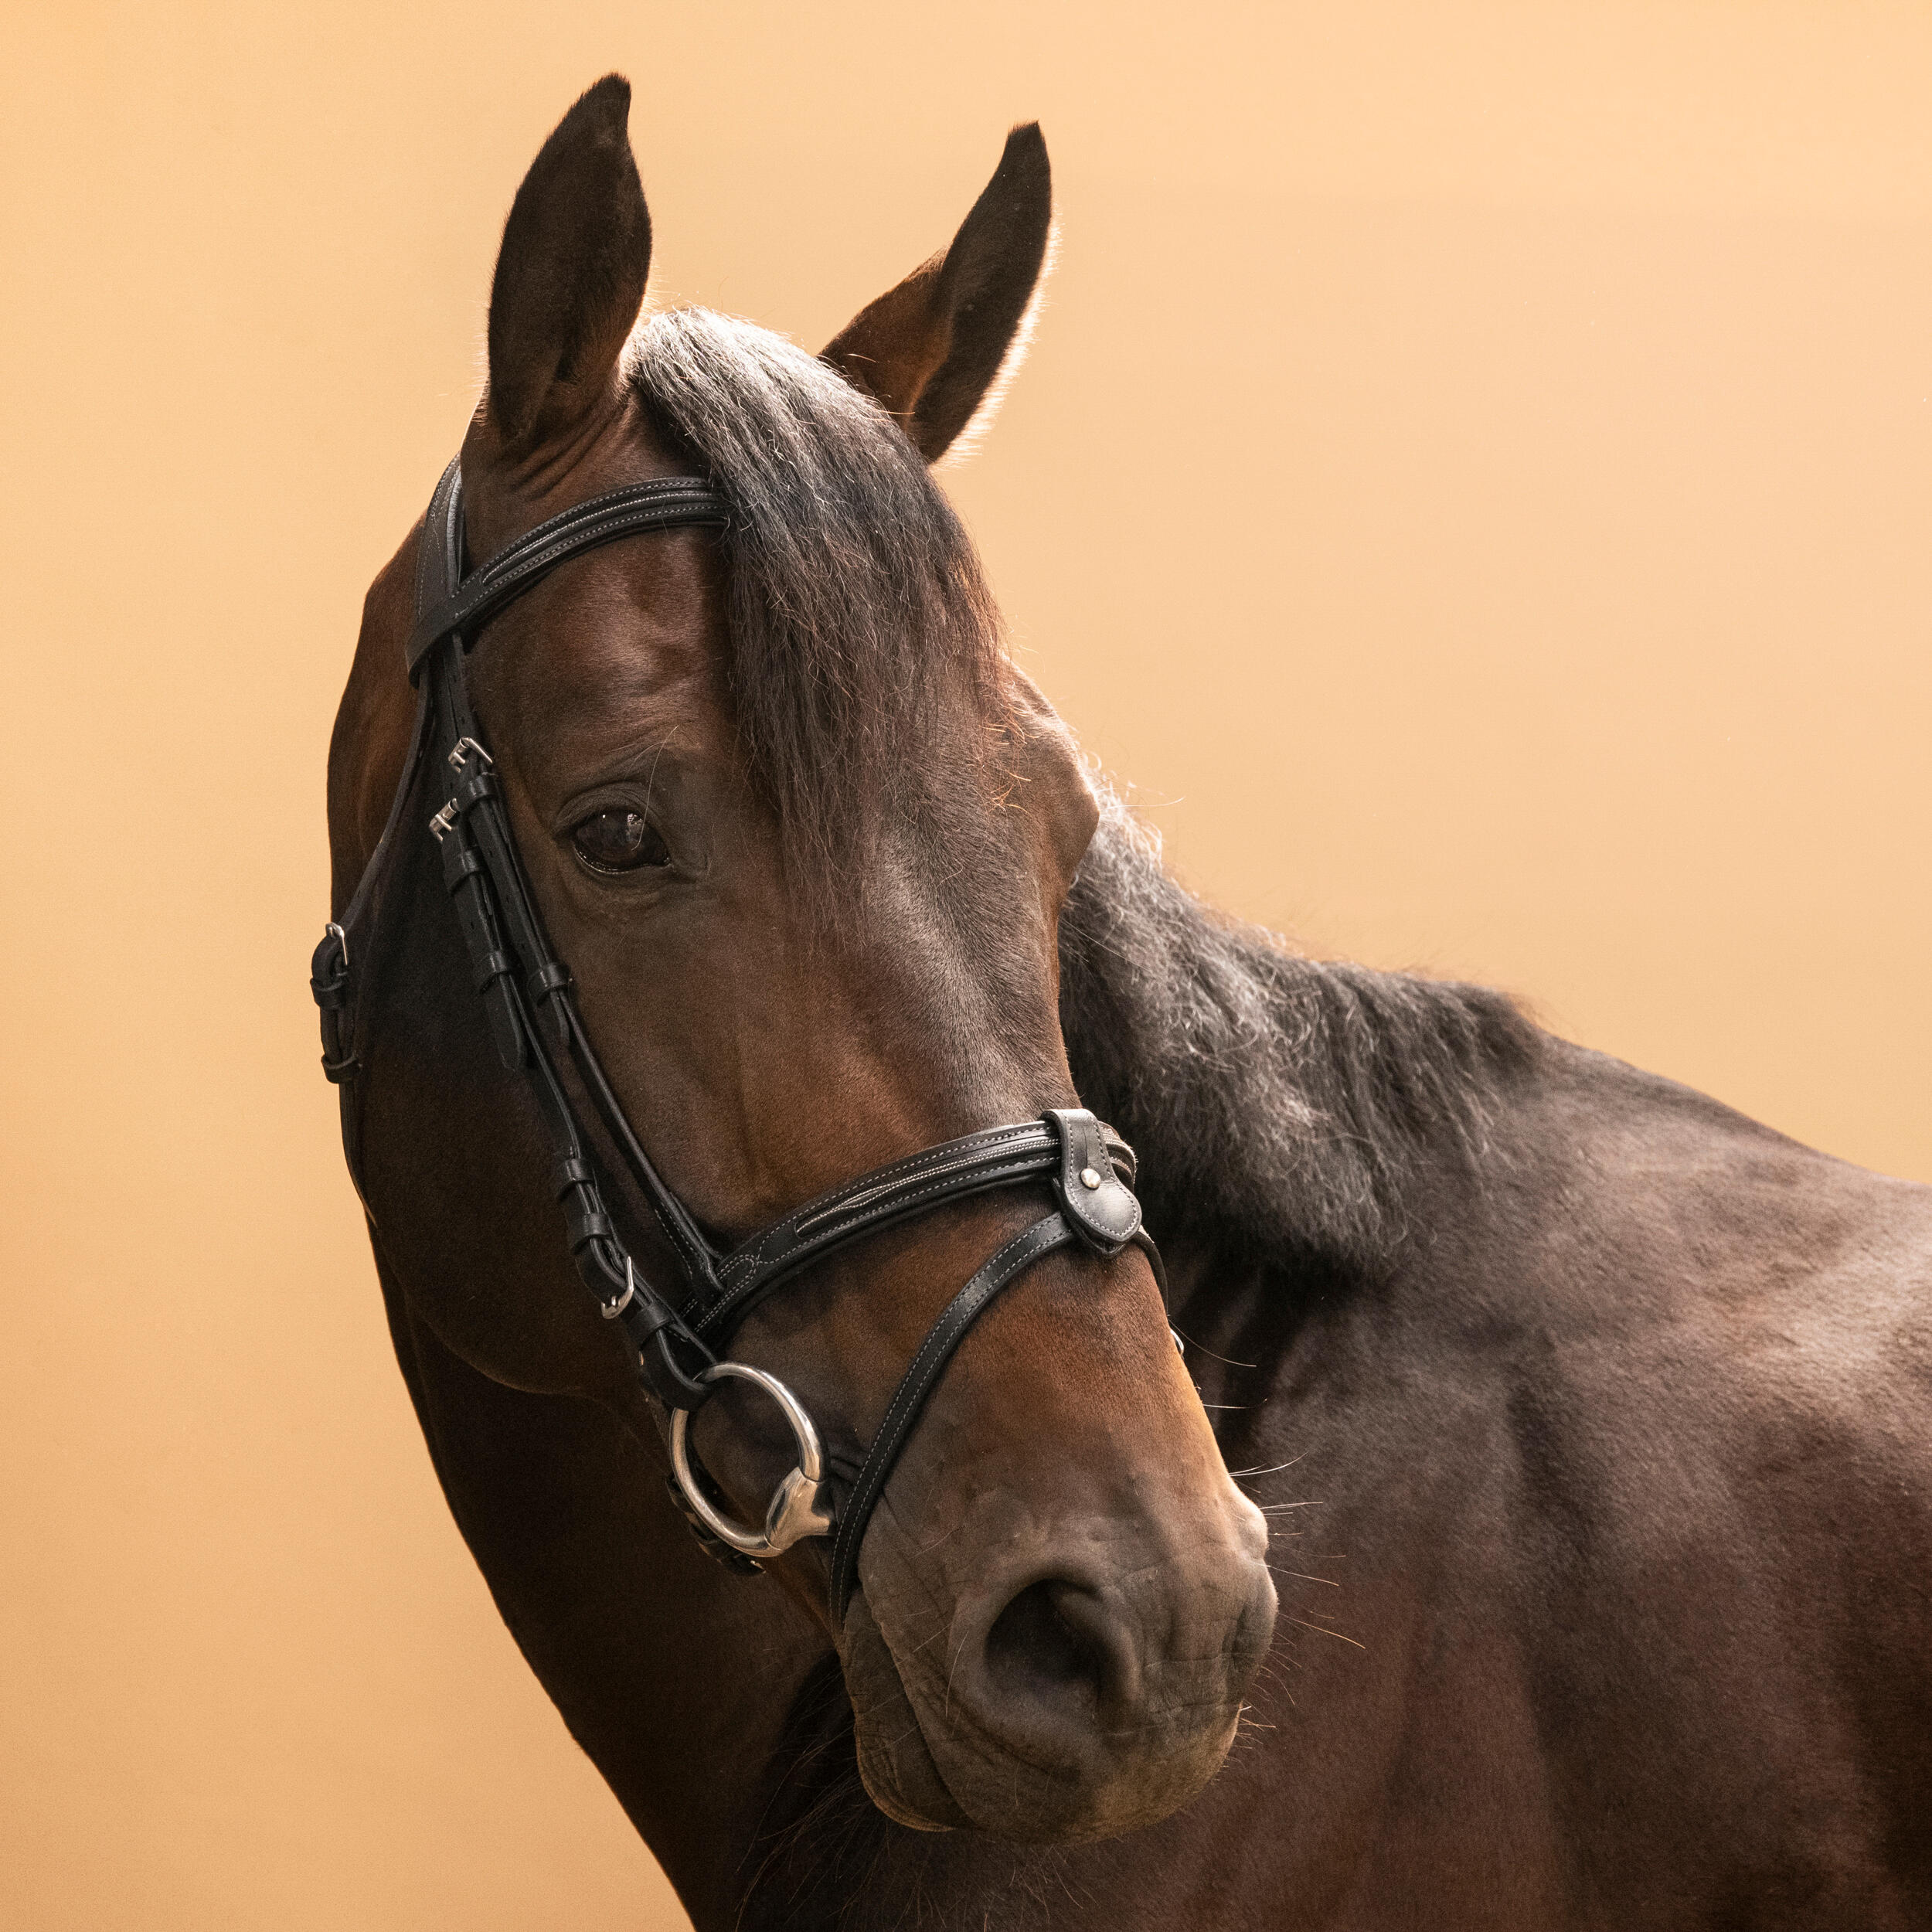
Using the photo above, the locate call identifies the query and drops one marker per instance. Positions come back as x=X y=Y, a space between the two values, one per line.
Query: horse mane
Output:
x=858 y=619
x=1280 y=1105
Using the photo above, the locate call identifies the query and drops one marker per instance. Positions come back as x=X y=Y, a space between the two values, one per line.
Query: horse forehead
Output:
x=636 y=624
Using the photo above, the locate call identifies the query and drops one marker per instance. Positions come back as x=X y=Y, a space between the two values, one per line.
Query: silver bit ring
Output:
x=794 y=1512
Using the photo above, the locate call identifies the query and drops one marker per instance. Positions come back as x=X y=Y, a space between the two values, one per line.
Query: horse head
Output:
x=803 y=834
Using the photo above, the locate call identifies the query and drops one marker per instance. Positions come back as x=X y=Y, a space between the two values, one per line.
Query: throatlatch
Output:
x=534 y=1024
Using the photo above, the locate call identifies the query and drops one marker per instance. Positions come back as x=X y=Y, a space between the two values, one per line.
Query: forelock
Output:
x=859 y=622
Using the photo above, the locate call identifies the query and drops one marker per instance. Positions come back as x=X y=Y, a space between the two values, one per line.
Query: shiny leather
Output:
x=995 y=1157
x=1093 y=1196
x=464 y=607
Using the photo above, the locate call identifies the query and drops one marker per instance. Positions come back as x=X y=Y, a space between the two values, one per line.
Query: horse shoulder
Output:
x=1697 y=1356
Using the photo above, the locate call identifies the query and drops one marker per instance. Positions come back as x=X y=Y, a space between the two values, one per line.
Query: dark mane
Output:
x=858 y=616
x=1278 y=1104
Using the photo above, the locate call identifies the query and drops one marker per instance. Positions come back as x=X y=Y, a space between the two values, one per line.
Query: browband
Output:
x=667 y=502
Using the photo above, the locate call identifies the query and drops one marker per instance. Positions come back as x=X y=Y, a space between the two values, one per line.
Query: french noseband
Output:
x=535 y=1023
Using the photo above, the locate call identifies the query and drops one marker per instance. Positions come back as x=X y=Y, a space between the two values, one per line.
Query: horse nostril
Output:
x=1058 y=1645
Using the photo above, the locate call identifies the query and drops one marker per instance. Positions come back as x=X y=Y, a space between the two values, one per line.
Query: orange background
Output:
x=1473 y=477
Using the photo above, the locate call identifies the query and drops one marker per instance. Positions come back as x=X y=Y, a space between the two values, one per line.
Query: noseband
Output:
x=529 y=996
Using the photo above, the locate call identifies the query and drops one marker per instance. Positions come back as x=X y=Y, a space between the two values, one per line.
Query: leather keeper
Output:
x=588 y=1225
x=472 y=788
x=460 y=861
x=571 y=1170
x=328 y=973
x=493 y=966
x=1102 y=1209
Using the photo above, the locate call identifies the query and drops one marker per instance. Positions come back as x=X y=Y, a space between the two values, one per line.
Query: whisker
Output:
x=1212 y=1356
x=1325 y=1631
x=1276 y=1470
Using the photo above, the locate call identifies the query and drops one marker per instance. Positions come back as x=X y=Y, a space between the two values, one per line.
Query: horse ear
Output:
x=571 y=273
x=932 y=349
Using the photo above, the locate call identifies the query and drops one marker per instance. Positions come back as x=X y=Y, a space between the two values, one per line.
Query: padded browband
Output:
x=663 y=504
x=1105 y=1216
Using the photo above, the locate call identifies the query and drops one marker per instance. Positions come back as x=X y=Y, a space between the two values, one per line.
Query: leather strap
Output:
x=520 y=979
x=667 y=502
x=453 y=608
x=942 y=1338
x=993 y=1157
x=1097 y=1201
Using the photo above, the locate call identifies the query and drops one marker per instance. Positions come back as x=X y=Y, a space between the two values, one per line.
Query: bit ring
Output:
x=794 y=1512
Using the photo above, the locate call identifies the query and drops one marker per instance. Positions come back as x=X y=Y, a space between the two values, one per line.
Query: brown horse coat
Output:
x=1589 y=1420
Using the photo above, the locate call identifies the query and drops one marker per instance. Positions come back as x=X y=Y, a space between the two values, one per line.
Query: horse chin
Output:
x=894 y=1759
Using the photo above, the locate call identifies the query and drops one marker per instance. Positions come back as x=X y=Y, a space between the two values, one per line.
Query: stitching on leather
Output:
x=992 y=1273
x=544 y=543
x=692 y=502
x=865 y=1195
x=665 y=492
x=988 y=1138
x=659 y=488
x=877 y=1206
x=737 y=1290
x=879 y=1180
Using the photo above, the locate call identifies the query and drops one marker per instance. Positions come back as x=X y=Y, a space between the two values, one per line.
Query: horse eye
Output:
x=619 y=841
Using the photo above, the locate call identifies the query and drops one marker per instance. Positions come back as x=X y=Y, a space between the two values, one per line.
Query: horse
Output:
x=1557 y=1553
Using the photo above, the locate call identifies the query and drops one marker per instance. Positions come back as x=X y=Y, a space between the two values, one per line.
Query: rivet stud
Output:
x=1089 y=1178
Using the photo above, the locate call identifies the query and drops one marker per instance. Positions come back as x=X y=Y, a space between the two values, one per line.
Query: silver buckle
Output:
x=794 y=1514
x=457 y=760
x=611 y=1310
x=443 y=820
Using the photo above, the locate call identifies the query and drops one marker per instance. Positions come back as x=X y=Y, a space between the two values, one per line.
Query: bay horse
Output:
x=1579 y=1423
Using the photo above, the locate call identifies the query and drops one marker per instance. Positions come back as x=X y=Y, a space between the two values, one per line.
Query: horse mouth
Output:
x=900 y=1775
x=936 y=1755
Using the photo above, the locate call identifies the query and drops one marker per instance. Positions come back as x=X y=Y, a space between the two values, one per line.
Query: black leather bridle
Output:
x=528 y=994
